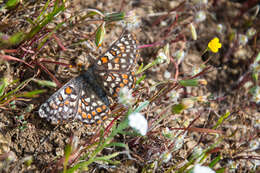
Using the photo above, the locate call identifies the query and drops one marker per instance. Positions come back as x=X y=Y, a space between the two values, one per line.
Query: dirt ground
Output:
x=31 y=138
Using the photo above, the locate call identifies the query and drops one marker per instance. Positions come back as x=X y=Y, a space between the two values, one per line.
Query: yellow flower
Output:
x=214 y=45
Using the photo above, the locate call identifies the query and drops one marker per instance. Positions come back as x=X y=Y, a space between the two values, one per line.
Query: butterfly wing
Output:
x=63 y=103
x=76 y=100
x=116 y=66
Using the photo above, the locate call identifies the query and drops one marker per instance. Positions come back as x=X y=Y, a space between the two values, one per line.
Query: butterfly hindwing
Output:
x=76 y=100
x=63 y=103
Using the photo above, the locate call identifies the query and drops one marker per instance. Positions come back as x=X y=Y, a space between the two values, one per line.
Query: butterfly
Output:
x=86 y=97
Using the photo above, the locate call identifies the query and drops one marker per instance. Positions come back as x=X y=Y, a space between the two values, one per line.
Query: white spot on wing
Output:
x=65 y=108
x=113 y=85
x=118 y=79
x=87 y=100
x=123 y=66
x=73 y=96
x=109 y=78
x=116 y=67
x=109 y=55
x=122 y=60
x=109 y=66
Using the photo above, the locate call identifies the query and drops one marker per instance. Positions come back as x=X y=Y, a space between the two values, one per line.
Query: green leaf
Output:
x=100 y=34
x=68 y=150
x=221 y=119
x=45 y=83
x=93 y=12
x=114 y=17
x=221 y=170
x=257 y=58
x=108 y=157
x=30 y=94
x=255 y=76
x=141 y=106
x=3 y=85
x=140 y=79
x=215 y=161
x=178 y=108
x=189 y=82
x=253 y=90
x=117 y=144
x=11 y=4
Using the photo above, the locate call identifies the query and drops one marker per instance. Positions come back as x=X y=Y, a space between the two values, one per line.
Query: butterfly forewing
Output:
x=121 y=56
x=116 y=66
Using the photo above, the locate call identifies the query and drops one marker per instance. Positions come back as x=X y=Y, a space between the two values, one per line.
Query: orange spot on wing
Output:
x=116 y=60
x=79 y=110
x=121 y=85
x=113 y=52
x=94 y=113
x=125 y=81
x=104 y=107
x=68 y=90
x=122 y=48
x=84 y=115
x=125 y=76
x=113 y=77
x=104 y=59
x=99 y=122
x=99 y=109
x=66 y=102
x=104 y=118
x=89 y=116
